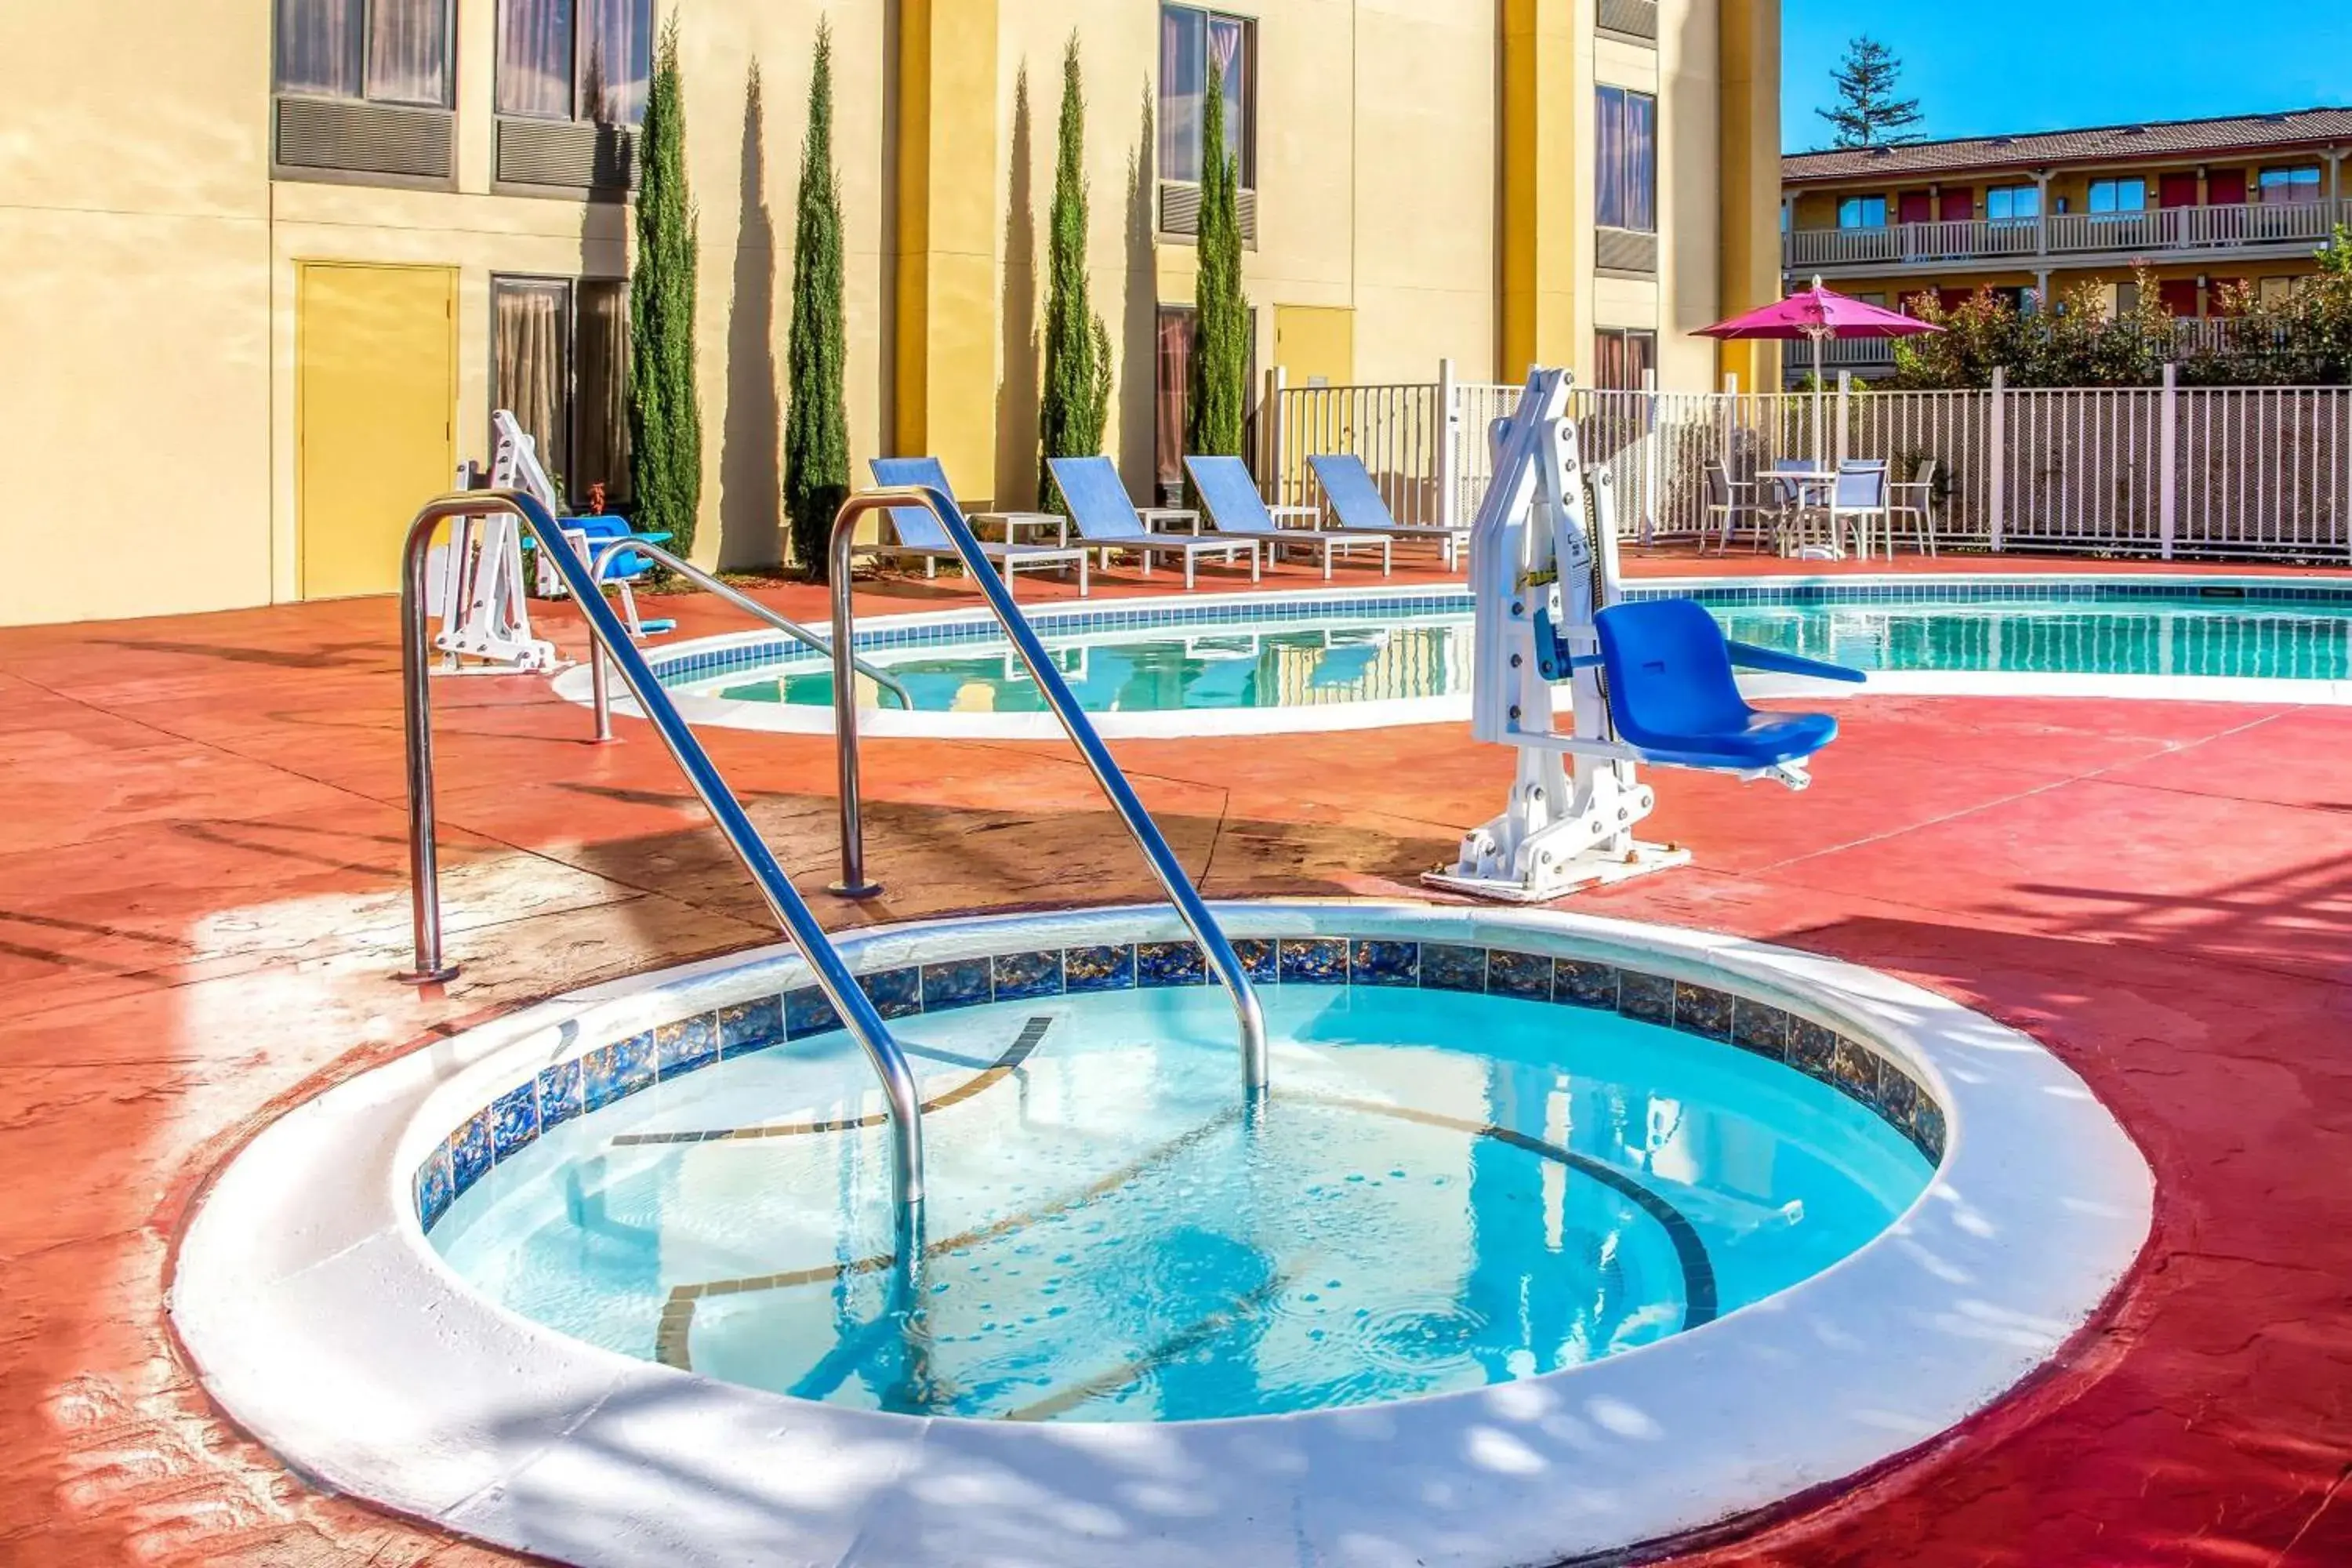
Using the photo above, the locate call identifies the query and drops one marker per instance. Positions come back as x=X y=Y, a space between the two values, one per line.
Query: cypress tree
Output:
x=1077 y=400
x=816 y=417
x=1221 y=328
x=664 y=416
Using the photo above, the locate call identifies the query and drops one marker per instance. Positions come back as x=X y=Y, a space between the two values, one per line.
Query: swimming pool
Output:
x=1365 y=658
x=1699 y=1225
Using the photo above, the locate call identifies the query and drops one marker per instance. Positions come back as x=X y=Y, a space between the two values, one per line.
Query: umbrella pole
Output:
x=1820 y=455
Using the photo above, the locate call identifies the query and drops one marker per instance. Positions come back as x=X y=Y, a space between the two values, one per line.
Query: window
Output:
x=2275 y=292
x=386 y=51
x=2290 y=184
x=575 y=59
x=1620 y=357
x=2013 y=203
x=1171 y=397
x=559 y=363
x=2122 y=300
x=1628 y=174
x=1189 y=38
x=1873 y=296
x=2129 y=196
x=1862 y=212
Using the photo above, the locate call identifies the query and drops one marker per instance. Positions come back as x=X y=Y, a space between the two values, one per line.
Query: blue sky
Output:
x=1981 y=67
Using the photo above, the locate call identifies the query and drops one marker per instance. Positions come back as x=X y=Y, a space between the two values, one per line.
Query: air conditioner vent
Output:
x=352 y=137
x=567 y=154
x=1180 y=209
x=1634 y=20
x=1626 y=250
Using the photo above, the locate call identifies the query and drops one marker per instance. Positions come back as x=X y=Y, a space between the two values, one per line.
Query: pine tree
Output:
x=1077 y=400
x=1221 y=325
x=664 y=416
x=816 y=417
x=1868 y=113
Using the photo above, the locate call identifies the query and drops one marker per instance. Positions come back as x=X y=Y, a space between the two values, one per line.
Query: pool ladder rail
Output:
x=610 y=641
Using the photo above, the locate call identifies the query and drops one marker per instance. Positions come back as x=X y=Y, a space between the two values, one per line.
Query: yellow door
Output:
x=375 y=393
x=1315 y=343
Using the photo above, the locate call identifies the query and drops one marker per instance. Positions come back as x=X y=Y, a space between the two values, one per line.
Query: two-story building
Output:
x=272 y=263
x=2199 y=204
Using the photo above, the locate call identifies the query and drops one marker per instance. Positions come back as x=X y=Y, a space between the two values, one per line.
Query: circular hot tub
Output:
x=1555 y=1235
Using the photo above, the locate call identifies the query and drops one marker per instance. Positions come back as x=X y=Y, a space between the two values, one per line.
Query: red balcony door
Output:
x=2179 y=296
x=2225 y=188
x=1958 y=206
x=1914 y=206
x=2177 y=191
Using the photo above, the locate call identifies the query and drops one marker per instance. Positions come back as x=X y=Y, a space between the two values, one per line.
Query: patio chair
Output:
x=918 y=533
x=1107 y=521
x=1728 y=501
x=1858 y=501
x=1916 y=498
x=1358 y=505
x=1229 y=497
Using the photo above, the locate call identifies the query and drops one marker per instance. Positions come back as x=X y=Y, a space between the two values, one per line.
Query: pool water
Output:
x=1347 y=654
x=1444 y=1191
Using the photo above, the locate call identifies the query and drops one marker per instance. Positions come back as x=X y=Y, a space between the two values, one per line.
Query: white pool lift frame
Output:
x=1540 y=570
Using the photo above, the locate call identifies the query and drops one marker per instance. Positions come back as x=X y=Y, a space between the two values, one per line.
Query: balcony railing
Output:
x=2148 y=233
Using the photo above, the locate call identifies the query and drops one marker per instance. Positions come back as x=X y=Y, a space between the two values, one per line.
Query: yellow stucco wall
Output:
x=151 y=327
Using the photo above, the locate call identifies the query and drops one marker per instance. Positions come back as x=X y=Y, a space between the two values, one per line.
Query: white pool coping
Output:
x=320 y=1317
x=800 y=719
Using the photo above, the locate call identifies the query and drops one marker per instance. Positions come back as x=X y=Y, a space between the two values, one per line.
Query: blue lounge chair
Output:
x=1672 y=698
x=1107 y=521
x=1229 y=496
x=1358 y=505
x=915 y=532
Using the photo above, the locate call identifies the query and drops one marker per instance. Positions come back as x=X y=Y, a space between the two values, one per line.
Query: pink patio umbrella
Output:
x=1817 y=314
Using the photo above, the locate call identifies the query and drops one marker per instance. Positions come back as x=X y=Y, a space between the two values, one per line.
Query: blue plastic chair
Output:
x=1672 y=698
x=591 y=533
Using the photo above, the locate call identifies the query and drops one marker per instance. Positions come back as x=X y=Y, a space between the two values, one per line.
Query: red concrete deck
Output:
x=202 y=889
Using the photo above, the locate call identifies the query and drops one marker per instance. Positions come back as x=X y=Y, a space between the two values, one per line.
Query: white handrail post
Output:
x=1277 y=431
x=1652 y=470
x=1448 y=461
x=2168 y=437
x=1997 y=449
x=1844 y=411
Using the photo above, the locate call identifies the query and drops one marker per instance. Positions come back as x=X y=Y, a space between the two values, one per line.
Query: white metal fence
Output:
x=2164 y=470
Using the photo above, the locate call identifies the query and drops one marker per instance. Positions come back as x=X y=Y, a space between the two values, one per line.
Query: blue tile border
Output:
x=512 y=1122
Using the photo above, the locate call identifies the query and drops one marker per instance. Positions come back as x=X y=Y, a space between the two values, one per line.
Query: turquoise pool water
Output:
x=1348 y=653
x=1445 y=1191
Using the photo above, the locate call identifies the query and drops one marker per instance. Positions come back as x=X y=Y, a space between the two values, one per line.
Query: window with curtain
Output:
x=384 y=51
x=2301 y=184
x=1862 y=212
x=560 y=365
x=1189 y=38
x=575 y=59
x=2013 y=203
x=1172 y=394
x=1626 y=137
x=2127 y=196
x=1621 y=356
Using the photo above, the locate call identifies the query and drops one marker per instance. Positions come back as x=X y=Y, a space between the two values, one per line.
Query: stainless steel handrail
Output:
x=849 y=1001
x=601 y=683
x=1080 y=729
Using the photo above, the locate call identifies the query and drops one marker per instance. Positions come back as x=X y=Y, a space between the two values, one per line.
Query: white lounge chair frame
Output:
x=907 y=525
x=1248 y=518
x=1107 y=521
x=1357 y=502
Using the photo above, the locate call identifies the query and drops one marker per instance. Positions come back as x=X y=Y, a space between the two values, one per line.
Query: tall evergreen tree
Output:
x=1868 y=114
x=816 y=417
x=1212 y=426
x=1077 y=400
x=665 y=415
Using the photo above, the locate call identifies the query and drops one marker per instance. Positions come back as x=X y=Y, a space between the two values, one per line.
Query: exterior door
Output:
x=2225 y=188
x=2179 y=296
x=375 y=387
x=2177 y=191
x=1958 y=206
x=1314 y=342
x=1913 y=206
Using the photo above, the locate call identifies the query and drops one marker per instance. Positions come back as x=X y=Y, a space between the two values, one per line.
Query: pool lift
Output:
x=1648 y=681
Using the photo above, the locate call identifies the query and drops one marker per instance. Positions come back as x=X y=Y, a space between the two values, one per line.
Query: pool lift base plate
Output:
x=1580 y=873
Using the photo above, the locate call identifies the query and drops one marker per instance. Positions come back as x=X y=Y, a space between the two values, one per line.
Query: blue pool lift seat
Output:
x=1672 y=698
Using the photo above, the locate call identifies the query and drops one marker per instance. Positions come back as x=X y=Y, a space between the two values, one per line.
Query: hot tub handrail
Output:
x=601 y=683
x=790 y=910
x=1148 y=837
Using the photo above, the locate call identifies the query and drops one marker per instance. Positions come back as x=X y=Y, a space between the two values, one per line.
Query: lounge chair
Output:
x=1229 y=497
x=917 y=532
x=1357 y=502
x=1106 y=518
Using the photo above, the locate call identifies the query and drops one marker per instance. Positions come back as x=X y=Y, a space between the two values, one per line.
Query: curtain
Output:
x=601 y=414
x=1227 y=38
x=1172 y=389
x=1608 y=140
x=1183 y=77
x=534 y=74
x=408 y=51
x=318 y=48
x=533 y=320
x=615 y=60
x=1642 y=163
